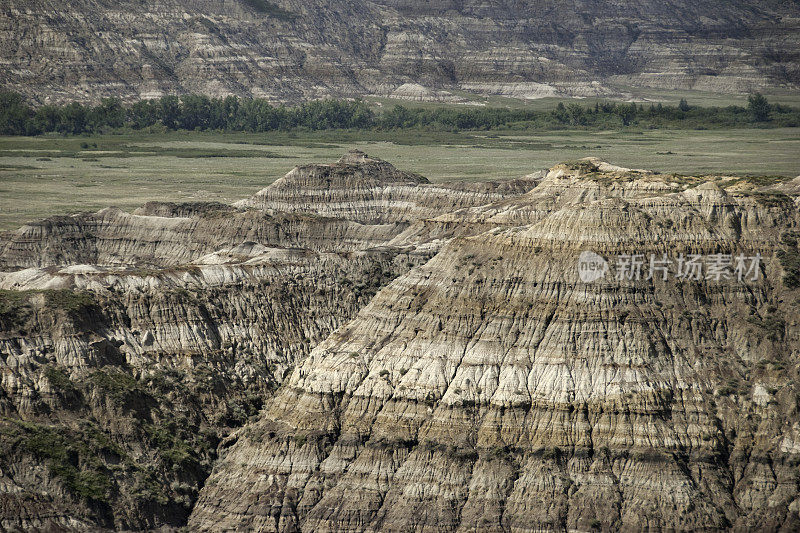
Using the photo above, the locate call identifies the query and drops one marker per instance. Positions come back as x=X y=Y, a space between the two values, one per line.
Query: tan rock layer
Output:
x=189 y=352
x=441 y=365
x=491 y=390
x=292 y=50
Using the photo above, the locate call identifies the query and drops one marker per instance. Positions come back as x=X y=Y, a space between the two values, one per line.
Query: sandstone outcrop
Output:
x=491 y=389
x=293 y=50
x=354 y=348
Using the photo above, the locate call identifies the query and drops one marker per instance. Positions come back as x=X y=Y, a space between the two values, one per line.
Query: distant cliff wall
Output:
x=290 y=50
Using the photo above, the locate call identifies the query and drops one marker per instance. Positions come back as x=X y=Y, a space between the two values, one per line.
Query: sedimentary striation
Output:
x=131 y=343
x=490 y=389
x=356 y=349
x=292 y=50
x=372 y=191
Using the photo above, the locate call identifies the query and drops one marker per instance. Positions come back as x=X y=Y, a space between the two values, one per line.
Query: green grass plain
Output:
x=54 y=175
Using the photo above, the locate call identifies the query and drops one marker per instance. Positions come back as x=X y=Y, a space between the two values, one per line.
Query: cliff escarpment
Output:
x=492 y=389
x=291 y=50
x=131 y=344
x=354 y=348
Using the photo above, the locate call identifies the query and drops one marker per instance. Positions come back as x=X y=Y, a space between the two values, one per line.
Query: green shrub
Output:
x=268 y=8
x=758 y=107
x=789 y=258
x=551 y=454
x=72 y=459
x=171 y=447
x=193 y=112
x=13 y=308
x=59 y=379
x=726 y=390
x=773 y=324
x=115 y=383
x=71 y=302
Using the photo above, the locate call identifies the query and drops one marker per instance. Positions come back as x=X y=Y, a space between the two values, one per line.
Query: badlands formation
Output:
x=354 y=348
x=436 y=50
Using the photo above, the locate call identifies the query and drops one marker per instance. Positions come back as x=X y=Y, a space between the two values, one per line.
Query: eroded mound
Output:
x=492 y=389
x=439 y=361
x=372 y=191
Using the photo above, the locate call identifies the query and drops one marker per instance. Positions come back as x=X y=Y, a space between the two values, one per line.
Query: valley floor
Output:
x=42 y=176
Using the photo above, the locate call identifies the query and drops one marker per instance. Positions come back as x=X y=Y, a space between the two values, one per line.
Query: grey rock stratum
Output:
x=293 y=50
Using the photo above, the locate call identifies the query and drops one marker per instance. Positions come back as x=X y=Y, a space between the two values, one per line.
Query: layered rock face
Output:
x=117 y=386
x=371 y=191
x=356 y=349
x=490 y=389
x=132 y=343
x=291 y=50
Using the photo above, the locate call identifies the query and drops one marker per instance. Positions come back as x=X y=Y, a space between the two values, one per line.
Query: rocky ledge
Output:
x=443 y=50
x=356 y=349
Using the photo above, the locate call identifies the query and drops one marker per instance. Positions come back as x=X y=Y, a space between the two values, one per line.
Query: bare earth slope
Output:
x=356 y=349
x=290 y=50
x=131 y=343
x=490 y=389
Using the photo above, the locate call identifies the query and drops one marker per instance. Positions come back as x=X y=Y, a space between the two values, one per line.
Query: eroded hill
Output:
x=293 y=50
x=354 y=348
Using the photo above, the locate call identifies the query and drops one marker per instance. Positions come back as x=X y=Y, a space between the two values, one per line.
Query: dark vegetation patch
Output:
x=16 y=306
x=174 y=450
x=770 y=199
x=71 y=302
x=765 y=181
x=59 y=380
x=194 y=112
x=270 y=9
x=116 y=384
x=75 y=459
x=773 y=325
x=789 y=257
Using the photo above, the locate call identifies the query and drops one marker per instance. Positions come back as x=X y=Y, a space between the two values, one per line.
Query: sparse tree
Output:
x=575 y=112
x=14 y=114
x=170 y=111
x=759 y=107
x=561 y=114
x=109 y=113
x=627 y=113
x=72 y=118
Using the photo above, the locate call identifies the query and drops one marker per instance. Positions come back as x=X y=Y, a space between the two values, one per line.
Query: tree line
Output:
x=198 y=112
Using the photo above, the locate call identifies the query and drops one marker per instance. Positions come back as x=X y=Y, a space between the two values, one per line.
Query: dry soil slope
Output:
x=291 y=50
x=490 y=389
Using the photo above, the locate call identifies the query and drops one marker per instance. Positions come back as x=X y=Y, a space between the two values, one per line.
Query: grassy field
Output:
x=43 y=176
